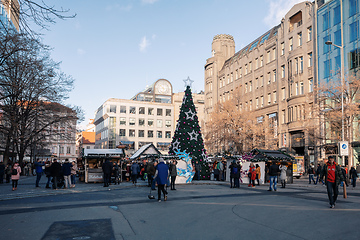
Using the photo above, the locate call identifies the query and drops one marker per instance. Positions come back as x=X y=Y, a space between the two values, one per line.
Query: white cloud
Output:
x=277 y=10
x=144 y=44
x=126 y=8
x=81 y=51
x=148 y=1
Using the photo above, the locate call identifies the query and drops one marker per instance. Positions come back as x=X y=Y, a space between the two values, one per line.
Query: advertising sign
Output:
x=344 y=148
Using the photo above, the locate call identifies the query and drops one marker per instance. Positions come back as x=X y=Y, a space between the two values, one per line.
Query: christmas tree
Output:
x=187 y=136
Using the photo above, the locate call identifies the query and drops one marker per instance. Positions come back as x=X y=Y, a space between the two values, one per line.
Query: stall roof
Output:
x=103 y=152
x=270 y=155
x=148 y=149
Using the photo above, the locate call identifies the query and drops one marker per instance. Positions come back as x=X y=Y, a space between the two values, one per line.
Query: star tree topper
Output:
x=188 y=82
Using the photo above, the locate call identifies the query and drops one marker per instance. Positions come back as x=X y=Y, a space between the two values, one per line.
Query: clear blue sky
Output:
x=114 y=48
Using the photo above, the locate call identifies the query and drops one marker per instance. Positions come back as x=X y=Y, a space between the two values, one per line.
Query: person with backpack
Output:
x=15 y=175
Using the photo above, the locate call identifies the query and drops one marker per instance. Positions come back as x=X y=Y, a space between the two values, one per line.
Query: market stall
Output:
x=93 y=160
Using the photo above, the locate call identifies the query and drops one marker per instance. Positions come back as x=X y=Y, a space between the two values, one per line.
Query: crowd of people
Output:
x=58 y=175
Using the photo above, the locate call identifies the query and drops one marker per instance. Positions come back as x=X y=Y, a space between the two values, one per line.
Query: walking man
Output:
x=107 y=168
x=333 y=177
x=39 y=171
x=273 y=173
x=173 y=174
x=162 y=176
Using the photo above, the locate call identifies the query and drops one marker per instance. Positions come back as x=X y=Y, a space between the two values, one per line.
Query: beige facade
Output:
x=273 y=75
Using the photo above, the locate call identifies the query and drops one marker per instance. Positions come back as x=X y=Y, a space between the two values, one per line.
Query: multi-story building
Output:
x=148 y=117
x=273 y=75
x=9 y=15
x=341 y=30
x=85 y=139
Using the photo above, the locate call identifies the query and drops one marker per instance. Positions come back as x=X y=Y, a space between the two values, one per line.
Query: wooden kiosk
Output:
x=94 y=158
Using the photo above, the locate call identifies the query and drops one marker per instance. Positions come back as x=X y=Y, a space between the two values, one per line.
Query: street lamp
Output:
x=342 y=88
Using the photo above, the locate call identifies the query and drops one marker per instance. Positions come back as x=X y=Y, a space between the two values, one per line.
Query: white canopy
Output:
x=148 y=149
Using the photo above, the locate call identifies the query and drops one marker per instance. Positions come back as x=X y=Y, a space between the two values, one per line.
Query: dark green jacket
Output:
x=338 y=174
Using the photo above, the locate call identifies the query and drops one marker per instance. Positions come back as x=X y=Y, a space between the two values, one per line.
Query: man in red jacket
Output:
x=333 y=177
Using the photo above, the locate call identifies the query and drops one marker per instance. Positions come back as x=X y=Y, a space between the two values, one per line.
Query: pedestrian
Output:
x=252 y=175
x=107 y=168
x=353 y=176
x=220 y=167
x=39 y=171
x=311 y=173
x=197 y=170
x=333 y=177
x=150 y=169
x=358 y=170
x=116 y=173
x=135 y=170
x=173 y=174
x=74 y=170
x=162 y=177
x=318 y=172
x=273 y=173
x=48 y=173
x=283 y=169
x=15 y=175
x=2 y=172
x=8 y=172
x=216 y=170
x=235 y=169
x=258 y=174
x=66 y=170
x=55 y=170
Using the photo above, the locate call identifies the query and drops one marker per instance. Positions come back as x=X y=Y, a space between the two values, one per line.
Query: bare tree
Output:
x=32 y=87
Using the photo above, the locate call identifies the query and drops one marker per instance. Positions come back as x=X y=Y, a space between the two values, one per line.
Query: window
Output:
x=61 y=150
x=262 y=101
x=268 y=56
x=168 y=123
x=159 y=123
x=257 y=102
x=256 y=63
x=301 y=63
x=269 y=98
x=282 y=48
x=68 y=150
x=337 y=37
x=296 y=66
x=150 y=111
x=122 y=132
x=261 y=81
x=141 y=133
x=274 y=75
x=309 y=33
x=159 y=134
x=131 y=133
x=311 y=84
x=301 y=88
x=250 y=86
x=159 y=112
x=283 y=116
x=250 y=105
x=240 y=72
x=327 y=68
x=353 y=8
x=282 y=71
x=150 y=134
x=268 y=78
x=274 y=96
x=326 y=48
x=300 y=38
x=113 y=108
x=132 y=110
x=122 y=121
x=296 y=88
x=122 y=109
x=167 y=134
x=141 y=110
x=246 y=87
x=273 y=54
x=168 y=112
x=132 y=121
x=325 y=21
x=257 y=83
x=354 y=31
x=141 y=121
x=337 y=16
x=150 y=122
x=310 y=59
x=261 y=61
x=283 y=93
x=246 y=69
x=290 y=44
x=250 y=66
